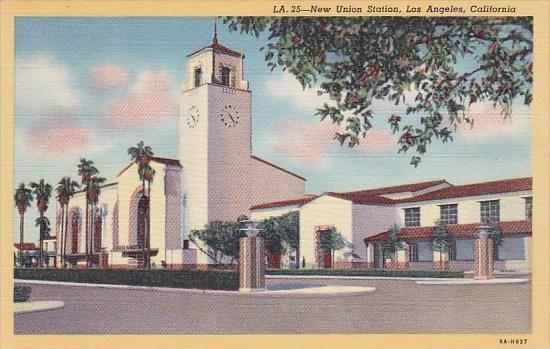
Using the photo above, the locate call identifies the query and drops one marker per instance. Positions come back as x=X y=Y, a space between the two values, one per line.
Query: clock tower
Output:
x=215 y=137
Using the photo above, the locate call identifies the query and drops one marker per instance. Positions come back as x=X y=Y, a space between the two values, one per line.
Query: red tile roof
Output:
x=218 y=47
x=277 y=167
x=486 y=188
x=166 y=161
x=457 y=231
x=362 y=199
x=294 y=202
x=27 y=246
x=403 y=188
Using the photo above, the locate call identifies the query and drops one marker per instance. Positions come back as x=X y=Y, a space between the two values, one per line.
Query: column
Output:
x=370 y=256
x=440 y=259
x=251 y=264
x=483 y=254
x=402 y=260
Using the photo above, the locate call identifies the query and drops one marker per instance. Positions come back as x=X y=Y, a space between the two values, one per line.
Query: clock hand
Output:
x=231 y=117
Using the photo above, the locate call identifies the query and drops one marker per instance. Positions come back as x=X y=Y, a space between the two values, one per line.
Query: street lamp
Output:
x=251 y=227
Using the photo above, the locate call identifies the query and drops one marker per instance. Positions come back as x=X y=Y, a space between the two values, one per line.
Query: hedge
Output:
x=208 y=280
x=370 y=272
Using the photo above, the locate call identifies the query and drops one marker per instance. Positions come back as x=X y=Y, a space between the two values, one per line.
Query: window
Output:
x=413 y=252
x=226 y=76
x=198 y=77
x=490 y=211
x=448 y=214
x=528 y=207
x=412 y=217
x=452 y=250
x=185 y=244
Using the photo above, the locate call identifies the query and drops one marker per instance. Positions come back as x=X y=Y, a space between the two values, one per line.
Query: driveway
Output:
x=397 y=306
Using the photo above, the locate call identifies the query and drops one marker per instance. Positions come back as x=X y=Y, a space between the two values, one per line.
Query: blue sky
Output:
x=75 y=75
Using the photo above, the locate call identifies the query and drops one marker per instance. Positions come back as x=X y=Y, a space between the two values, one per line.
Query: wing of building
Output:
x=365 y=217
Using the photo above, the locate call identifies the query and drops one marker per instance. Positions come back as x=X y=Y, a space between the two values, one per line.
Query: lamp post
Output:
x=251 y=259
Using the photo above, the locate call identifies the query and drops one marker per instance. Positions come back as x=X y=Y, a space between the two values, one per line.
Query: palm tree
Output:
x=142 y=155
x=42 y=192
x=86 y=170
x=93 y=190
x=65 y=191
x=23 y=199
x=44 y=224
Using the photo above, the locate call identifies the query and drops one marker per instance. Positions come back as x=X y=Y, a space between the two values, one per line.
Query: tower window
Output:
x=226 y=76
x=198 y=76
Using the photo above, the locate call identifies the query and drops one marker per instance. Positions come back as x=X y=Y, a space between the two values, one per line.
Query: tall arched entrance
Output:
x=142 y=214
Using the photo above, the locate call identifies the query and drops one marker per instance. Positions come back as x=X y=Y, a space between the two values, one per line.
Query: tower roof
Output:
x=217 y=46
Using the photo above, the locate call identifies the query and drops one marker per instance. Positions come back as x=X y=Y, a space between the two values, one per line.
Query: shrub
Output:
x=369 y=272
x=209 y=280
x=21 y=293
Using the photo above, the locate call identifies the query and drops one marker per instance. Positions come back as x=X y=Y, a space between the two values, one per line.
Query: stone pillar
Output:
x=370 y=255
x=103 y=260
x=440 y=259
x=251 y=264
x=402 y=260
x=483 y=254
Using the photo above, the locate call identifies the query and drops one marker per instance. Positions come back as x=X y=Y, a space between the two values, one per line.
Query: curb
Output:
x=33 y=307
x=269 y=293
x=499 y=281
x=336 y=277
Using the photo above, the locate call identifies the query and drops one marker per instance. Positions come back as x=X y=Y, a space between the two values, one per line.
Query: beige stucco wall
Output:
x=270 y=184
x=229 y=150
x=324 y=210
x=369 y=220
x=512 y=208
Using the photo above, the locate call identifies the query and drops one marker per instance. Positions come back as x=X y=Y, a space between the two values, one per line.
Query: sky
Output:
x=92 y=87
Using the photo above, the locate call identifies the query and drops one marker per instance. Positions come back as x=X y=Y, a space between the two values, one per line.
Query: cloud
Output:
x=42 y=83
x=313 y=144
x=108 y=76
x=151 y=99
x=284 y=86
x=58 y=134
x=489 y=122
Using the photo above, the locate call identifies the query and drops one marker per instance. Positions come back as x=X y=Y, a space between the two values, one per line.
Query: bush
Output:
x=21 y=293
x=209 y=280
x=370 y=272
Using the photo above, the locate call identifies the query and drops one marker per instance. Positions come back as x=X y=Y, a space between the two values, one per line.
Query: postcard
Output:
x=279 y=174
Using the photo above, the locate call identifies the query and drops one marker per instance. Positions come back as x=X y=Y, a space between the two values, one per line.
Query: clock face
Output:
x=193 y=116
x=229 y=116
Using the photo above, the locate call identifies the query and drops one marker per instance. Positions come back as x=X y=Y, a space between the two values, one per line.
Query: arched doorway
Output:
x=142 y=214
x=74 y=224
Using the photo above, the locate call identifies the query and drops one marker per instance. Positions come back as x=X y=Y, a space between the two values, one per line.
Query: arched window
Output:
x=75 y=227
x=97 y=233
x=198 y=77
x=226 y=76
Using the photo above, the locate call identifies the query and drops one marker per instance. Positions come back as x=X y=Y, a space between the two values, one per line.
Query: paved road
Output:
x=395 y=307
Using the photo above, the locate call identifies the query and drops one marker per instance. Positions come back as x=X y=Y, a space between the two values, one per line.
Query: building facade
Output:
x=364 y=219
x=217 y=177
